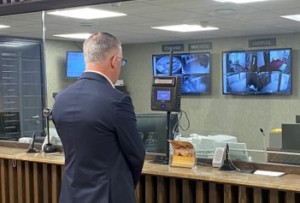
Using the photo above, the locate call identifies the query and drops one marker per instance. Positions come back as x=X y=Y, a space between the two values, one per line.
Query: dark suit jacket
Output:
x=104 y=154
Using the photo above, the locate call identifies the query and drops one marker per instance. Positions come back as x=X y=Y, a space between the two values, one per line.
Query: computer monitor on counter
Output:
x=290 y=135
x=153 y=130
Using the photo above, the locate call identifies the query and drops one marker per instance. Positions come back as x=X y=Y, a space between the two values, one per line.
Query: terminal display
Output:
x=166 y=94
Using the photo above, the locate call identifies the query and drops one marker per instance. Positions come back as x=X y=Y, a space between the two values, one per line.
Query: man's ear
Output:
x=114 y=62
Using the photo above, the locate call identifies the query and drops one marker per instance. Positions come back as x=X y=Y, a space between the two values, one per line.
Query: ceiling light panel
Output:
x=239 y=1
x=292 y=17
x=74 y=35
x=4 y=26
x=86 y=13
x=185 y=28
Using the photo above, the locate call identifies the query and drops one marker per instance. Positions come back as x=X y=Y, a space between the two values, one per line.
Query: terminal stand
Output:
x=227 y=165
x=166 y=96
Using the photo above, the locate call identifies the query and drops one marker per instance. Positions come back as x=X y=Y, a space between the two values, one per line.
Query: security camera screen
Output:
x=257 y=72
x=193 y=68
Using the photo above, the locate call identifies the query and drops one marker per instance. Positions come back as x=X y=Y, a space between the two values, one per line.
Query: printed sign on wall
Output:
x=174 y=47
x=200 y=46
x=262 y=42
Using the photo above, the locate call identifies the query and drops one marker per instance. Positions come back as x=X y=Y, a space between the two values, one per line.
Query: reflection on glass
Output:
x=29 y=25
x=151 y=142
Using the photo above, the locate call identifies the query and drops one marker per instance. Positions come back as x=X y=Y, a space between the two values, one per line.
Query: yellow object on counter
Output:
x=276 y=130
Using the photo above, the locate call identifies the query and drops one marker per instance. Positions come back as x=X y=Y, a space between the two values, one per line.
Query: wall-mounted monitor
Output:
x=74 y=64
x=256 y=72
x=193 y=68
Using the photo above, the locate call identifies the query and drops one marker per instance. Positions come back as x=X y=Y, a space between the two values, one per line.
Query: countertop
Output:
x=289 y=182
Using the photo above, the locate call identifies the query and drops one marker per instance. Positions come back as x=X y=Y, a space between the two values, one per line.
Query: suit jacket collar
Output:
x=95 y=76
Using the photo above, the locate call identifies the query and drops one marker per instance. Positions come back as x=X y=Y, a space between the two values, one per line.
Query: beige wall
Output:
x=55 y=54
x=241 y=116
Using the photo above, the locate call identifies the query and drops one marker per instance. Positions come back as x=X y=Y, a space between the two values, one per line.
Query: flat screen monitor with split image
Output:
x=257 y=72
x=193 y=68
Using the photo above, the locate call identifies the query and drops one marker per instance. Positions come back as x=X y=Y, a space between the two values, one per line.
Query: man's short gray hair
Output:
x=98 y=45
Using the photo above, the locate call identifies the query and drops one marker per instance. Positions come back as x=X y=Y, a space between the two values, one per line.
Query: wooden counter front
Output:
x=35 y=178
x=207 y=184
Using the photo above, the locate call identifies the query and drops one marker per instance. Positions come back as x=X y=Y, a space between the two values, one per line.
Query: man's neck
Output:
x=103 y=74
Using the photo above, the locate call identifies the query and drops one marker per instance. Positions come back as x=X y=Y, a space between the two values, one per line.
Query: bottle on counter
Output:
x=151 y=142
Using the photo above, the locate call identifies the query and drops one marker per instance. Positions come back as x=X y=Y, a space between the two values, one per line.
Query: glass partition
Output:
x=21 y=76
x=212 y=114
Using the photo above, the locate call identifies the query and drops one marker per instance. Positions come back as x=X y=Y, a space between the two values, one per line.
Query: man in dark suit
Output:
x=104 y=154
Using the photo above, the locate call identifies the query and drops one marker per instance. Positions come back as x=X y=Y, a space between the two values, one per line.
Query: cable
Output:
x=187 y=119
x=236 y=168
x=178 y=123
x=175 y=127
